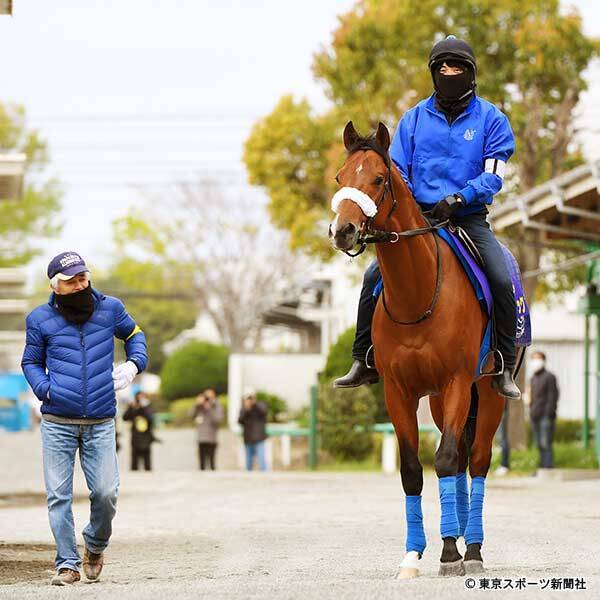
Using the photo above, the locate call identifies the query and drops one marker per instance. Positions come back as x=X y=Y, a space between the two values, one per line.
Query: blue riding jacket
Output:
x=468 y=157
x=69 y=366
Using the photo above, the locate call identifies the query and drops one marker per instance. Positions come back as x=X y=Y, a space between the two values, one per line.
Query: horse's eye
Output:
x=337 y=178
x=378 y=180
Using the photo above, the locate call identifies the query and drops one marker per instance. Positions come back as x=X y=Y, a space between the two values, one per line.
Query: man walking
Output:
x=542 y=411
x=68 y=362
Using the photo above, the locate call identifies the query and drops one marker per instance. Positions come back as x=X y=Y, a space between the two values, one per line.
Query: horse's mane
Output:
x=369 y=142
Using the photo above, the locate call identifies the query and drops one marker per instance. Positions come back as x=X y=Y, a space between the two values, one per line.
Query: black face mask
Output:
x=453 y=87
x=77 y=307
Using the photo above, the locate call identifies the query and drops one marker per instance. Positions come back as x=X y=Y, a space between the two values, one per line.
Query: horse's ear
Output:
x=383 y=136
x=350 y=135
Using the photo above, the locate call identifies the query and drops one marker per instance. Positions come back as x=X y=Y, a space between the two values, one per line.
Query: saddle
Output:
x=469 y=244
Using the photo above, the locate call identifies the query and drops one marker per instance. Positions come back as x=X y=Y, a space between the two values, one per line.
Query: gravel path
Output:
x=185 y=534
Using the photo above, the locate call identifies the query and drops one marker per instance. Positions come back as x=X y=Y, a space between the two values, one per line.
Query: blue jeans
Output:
x=543 y=433
x=256 y=450
x=98 y=457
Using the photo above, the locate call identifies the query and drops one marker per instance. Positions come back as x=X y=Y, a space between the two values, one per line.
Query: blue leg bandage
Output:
x=474 y=530
x=462 y=502
x=449 y=519
x=415 y=534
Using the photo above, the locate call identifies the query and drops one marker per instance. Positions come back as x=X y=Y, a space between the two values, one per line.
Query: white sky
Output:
x=132 y=92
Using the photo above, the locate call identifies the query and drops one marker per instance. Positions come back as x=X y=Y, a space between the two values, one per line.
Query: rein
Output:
x=379 y=236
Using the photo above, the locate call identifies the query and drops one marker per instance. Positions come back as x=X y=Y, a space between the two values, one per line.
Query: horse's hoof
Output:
x=407 y=573
x=452 y=569
x=409 y=567
x=473 y=567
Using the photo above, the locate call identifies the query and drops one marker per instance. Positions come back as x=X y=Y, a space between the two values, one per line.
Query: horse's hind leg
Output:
x=464 y=449
x=456 y=400
x=491 y=407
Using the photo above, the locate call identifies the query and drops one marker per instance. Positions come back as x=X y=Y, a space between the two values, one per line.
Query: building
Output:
x=13 y=306
x=560 y=334
x=567 y=207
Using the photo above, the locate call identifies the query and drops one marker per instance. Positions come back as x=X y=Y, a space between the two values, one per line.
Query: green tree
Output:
x=24 y=222
x=194 y=367
x=339 y=358
x=275 y=405
x=287 y=153
x=531 y=57
x=345 y=418
x=157 y=298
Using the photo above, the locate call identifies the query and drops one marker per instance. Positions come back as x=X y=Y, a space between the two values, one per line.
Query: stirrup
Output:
x=367 y=357
x=493 y=352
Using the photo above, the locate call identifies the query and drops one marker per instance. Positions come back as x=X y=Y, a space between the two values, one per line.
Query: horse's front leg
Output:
x=455 y=402
x=403 y=413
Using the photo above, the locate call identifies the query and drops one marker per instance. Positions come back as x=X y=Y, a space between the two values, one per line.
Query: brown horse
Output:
x=427 y=330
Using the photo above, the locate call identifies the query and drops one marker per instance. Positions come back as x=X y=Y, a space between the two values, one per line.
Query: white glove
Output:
x=123 y=375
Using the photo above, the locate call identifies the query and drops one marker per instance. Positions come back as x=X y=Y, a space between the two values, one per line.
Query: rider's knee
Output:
x=371 y=275
x=501 y=281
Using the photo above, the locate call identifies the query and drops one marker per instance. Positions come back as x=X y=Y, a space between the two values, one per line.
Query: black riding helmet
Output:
x=452 y=49
x=453 y=92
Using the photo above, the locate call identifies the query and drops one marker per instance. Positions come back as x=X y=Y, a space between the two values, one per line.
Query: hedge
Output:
x=193 y=368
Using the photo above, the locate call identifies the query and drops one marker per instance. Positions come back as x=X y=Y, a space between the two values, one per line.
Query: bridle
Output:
x=368 y=235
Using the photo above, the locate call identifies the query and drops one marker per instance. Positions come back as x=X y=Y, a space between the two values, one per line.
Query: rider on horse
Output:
x=452 y=149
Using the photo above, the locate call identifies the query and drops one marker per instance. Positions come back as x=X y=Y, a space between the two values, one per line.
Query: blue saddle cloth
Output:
x=481 y=287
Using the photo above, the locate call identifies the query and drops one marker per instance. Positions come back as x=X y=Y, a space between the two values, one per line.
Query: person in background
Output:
x=141 y=416
x=504 y=467
x=253 y=419
x=208 y=415
x=68 y=362
x=542 y=411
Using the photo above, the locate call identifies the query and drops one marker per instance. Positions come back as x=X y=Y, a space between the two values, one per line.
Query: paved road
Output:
x=185 y=534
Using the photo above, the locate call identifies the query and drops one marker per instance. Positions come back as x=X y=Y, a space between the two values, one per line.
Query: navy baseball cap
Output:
x=66 y=265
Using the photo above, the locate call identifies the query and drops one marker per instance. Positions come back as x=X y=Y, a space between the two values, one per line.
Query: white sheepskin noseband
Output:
x=349 y=193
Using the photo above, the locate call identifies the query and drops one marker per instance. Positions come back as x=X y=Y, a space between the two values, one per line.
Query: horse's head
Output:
x=364 y=178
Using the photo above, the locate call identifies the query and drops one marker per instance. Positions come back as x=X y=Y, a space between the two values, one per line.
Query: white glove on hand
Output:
x=123 y=375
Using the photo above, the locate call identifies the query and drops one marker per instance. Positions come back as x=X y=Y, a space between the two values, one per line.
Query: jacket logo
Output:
x=469 y=134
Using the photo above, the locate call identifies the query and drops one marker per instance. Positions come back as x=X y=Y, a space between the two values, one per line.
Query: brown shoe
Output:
x=92 y=564
x=66 y=577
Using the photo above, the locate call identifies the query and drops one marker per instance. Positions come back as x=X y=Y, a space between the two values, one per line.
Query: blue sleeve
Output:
x=33 y=362
x=402 y=147
x=135 y=340
x=499 y=145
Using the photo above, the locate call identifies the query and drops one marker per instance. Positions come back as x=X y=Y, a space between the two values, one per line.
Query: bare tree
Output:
x=241 y=264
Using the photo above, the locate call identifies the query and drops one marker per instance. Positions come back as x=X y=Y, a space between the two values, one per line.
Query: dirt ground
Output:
x=186 y=534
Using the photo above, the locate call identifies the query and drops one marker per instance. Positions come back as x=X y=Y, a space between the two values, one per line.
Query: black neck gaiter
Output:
x=77 y=307
x=454 y=92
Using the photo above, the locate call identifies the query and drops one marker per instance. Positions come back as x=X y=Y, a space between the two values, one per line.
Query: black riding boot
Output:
x=506 y=385
x=358 y=374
